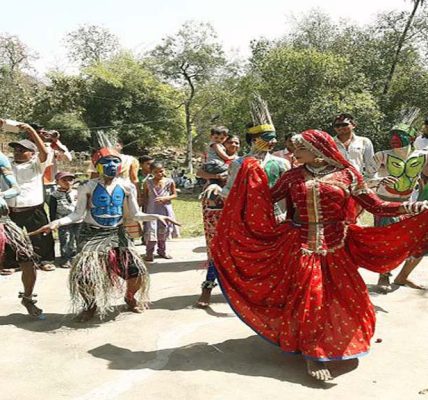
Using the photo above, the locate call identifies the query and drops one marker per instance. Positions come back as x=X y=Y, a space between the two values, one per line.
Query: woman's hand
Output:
x=415 y=208
x=388 y=181
x=212 y=189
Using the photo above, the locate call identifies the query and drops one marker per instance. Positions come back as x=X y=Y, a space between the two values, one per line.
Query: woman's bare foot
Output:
x=30 y=305
x=318 y=370
x=383 y=284
x=204 y=299
x=409 y=283
x=87 y=315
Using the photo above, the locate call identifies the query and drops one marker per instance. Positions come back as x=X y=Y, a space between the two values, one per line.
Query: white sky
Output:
x=140 y=24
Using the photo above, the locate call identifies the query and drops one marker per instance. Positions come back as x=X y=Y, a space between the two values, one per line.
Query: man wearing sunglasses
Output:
x=421 y=141
x=27 y=209
x=356 y=149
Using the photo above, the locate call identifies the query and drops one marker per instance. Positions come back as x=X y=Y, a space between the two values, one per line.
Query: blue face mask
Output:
x=109 y=166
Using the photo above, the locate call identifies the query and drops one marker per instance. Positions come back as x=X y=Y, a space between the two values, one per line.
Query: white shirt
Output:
x=420 y=143
x=359 y=153
x=29 y=176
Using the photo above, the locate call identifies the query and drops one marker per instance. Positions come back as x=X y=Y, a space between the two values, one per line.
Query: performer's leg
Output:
x=408 y=267
x=384 y=283
x=29 y=275
x=207 y=287
x=133 y=285
x=90 y=307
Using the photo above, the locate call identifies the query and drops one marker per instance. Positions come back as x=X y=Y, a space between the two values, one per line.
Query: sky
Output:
x=141 y=24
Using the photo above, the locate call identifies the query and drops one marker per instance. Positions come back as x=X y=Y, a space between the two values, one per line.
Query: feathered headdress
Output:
x=407 y=119
x=262 y=121
x=103 y=147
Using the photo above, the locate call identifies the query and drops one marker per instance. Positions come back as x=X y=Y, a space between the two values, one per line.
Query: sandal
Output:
x=7 y=271
x=47 y=267
x=166 y=256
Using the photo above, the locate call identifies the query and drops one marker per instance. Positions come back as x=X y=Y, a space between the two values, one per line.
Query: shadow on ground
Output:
x=189 y=302
x=202 y=249
x=155 y=267
x=52 y=321
x=249 y=356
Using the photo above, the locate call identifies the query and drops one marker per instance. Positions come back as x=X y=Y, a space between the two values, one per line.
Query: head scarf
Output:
x=323 y=145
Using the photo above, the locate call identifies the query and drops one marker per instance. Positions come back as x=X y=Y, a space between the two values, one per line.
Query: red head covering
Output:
x=323 y=145
x=104 y=152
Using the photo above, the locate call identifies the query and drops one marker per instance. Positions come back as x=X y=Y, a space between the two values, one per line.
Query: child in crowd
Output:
x=217 y=161
x=62 y=202
x=158 y=193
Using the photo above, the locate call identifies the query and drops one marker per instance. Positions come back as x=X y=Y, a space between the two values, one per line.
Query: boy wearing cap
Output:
x=62 y=202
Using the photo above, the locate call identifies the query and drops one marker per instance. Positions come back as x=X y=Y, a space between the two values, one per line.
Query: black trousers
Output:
x=44 y=245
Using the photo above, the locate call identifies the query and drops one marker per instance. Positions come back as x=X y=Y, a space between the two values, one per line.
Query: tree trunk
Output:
x=388 y=81
x=189 y=152
x=187 y=110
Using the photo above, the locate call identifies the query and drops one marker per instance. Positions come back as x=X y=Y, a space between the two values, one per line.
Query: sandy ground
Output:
x=176 y=351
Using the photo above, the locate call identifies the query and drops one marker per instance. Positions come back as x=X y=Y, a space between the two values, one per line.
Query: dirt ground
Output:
x=176 y=351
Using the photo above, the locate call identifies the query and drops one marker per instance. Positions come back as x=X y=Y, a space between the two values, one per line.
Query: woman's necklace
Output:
x=320 y=171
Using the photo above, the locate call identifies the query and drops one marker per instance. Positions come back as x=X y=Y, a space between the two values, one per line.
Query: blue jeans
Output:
x=68 y=236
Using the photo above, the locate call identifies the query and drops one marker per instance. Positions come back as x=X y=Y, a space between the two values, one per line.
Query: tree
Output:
x=124 y=96
x=14 y=54
x=306 y=87
x=401 y=40
x=191 y=58
x=90 y=44
x=17 y=87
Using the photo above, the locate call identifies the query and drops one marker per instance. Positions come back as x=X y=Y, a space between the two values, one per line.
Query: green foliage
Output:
x=74 y=131
x=91 y=44
x=177 y=92
x=127 y=97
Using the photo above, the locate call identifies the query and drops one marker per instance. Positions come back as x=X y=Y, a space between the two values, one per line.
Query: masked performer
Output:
x=398 y=170
x=261 y=137
x=297 y=283
x=13 y=242
x=105 y=251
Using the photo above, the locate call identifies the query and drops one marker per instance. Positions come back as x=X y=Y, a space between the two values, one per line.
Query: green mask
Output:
x=407 y=172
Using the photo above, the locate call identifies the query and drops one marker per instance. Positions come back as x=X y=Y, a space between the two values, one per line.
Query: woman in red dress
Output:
x=297 y=283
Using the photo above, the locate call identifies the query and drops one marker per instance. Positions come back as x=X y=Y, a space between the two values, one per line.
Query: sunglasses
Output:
x=20 y=149
x=341 y=125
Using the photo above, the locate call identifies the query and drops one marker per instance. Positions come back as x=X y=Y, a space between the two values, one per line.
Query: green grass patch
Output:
x=187 y=208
